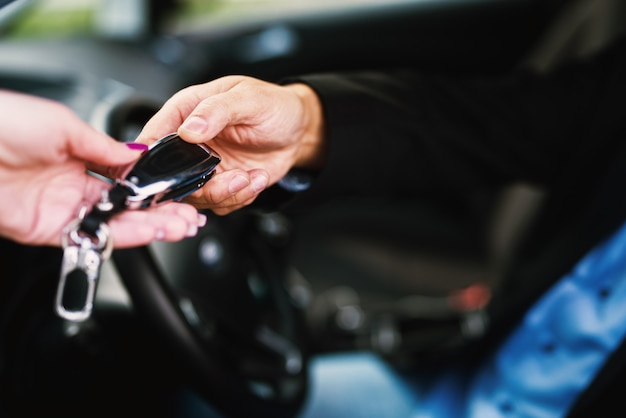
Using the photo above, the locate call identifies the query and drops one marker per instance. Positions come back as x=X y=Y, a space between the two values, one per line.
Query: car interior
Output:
x=231 y=318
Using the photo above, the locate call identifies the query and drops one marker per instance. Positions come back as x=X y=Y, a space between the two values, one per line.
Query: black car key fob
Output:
x=169 y=170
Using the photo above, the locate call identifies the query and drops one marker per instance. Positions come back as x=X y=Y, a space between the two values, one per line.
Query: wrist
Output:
x=311 y=154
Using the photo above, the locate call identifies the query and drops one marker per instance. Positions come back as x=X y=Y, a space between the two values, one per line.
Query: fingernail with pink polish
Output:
x=201 y=220
x=137 y=146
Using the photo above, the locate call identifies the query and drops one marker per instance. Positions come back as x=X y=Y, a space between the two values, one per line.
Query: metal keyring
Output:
x=102 y=242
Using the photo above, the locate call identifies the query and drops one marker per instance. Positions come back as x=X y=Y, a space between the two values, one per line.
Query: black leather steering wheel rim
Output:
x=214 y=377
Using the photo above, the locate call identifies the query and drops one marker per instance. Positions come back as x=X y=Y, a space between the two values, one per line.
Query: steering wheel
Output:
x=231 y=323
x=223 y=310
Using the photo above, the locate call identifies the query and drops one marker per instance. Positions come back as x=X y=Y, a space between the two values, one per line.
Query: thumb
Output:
x=98 y=149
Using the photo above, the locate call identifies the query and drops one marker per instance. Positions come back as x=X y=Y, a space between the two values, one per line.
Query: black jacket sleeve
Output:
x=404 y=133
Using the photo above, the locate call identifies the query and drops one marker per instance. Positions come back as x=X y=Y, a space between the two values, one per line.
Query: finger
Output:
x=229 y=108
x=182 y=210
x=230 y=188
x=177 y=108
x=68 y=133
x=225 y=210
x=100 y=150
x=171 y=222
x=206 y=109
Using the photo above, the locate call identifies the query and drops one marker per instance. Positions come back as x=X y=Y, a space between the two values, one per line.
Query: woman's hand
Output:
x=45 y=150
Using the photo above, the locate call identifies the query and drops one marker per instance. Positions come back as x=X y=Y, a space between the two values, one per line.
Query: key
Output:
x=170 y=170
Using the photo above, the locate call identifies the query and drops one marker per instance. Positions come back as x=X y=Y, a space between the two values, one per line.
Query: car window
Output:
x=136 y=18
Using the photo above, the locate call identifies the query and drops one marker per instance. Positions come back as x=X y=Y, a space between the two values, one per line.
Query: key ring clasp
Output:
x=80 y=270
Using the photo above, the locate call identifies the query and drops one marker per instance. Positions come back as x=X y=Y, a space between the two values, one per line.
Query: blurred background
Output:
x=132 y=18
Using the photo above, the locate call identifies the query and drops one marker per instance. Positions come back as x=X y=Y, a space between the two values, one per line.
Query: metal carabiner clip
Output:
x=80 y=270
